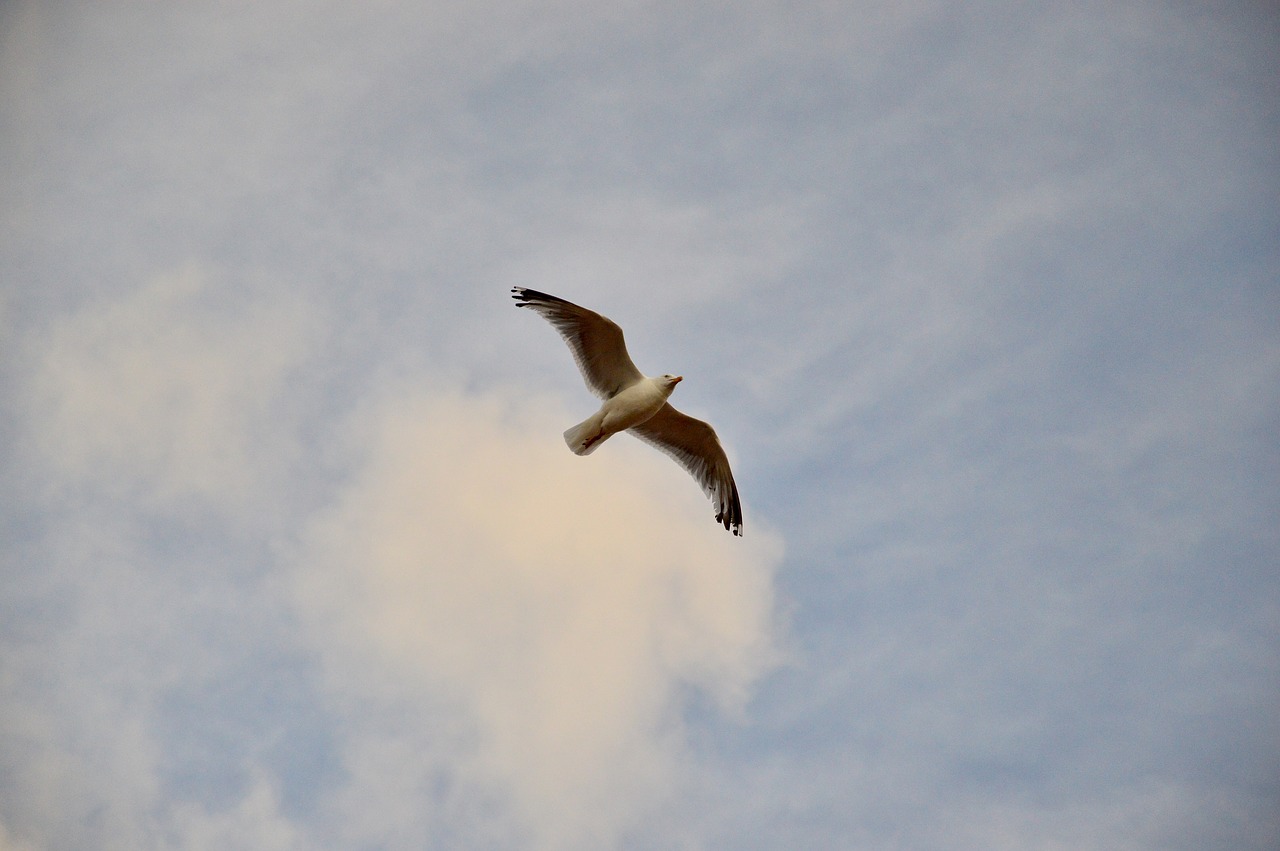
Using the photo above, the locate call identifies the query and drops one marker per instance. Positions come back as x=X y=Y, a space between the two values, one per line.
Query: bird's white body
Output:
x=630 y=407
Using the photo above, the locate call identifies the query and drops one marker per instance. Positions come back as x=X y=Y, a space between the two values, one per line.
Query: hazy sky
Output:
x=982 y=299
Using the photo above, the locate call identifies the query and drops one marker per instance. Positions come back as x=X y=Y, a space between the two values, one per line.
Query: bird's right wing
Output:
x=694 y=446
x=595 y=341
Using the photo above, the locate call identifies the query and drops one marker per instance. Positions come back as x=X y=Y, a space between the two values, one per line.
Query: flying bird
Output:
x=635 y=403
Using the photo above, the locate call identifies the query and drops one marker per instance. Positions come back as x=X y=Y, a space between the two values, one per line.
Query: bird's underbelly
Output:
x=631 y=407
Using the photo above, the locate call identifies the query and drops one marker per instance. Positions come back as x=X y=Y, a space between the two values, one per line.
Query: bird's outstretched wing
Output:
x=595 y=341
x=694 y=445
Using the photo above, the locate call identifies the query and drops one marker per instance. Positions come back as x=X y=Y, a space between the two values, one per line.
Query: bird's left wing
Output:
x=595 y=341
x=694 y=445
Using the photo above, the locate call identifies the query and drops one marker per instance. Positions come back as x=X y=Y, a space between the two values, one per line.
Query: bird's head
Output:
x=669 y=381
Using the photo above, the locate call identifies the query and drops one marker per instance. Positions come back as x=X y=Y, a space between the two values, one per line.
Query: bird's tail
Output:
x=586 y=435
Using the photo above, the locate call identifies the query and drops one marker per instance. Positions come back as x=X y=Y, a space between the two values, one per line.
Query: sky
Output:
x=982 y=300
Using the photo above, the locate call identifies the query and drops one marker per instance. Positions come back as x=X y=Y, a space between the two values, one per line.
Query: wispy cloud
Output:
x=169 y=393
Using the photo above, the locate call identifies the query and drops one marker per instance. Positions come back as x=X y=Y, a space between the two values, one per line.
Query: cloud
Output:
x=8 y=843
x=535 y=621
x=255 y=821
x=505 y=638
x=987 y=302
x=170 y=392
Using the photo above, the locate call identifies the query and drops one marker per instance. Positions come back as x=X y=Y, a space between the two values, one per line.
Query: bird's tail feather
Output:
x=585 y=436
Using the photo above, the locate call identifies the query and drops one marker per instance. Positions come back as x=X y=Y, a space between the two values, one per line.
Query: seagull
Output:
x=635 y=403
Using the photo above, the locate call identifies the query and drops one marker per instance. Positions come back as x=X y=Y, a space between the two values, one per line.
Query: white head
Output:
x=668 y=382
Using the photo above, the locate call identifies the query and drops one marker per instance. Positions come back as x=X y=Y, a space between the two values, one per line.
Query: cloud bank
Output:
x=504 y=641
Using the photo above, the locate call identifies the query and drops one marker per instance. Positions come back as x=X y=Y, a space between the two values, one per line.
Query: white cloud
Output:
x=9 y=843
x=530 y=621
x=167 y=405
x=168 y=393
x=508 y=635
x=254 y=821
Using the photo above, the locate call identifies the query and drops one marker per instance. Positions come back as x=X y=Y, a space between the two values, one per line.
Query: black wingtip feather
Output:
x=730 y=524
x=526 y=296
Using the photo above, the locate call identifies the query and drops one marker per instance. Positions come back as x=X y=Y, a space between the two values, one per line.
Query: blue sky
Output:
x=982 y=301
